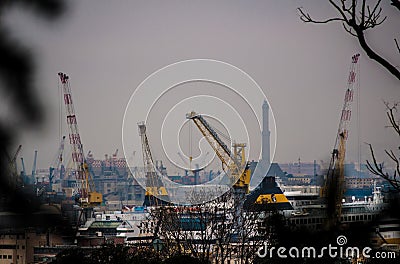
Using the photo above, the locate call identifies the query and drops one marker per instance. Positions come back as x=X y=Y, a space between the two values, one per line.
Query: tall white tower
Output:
x=262 y=168
x=266 y=149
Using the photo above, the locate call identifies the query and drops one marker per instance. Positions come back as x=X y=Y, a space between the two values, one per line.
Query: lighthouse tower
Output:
x=266 y=134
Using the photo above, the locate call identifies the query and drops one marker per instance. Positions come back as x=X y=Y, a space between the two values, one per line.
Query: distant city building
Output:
x=301 y=168
x=20 y=245
x=276 y=171
x=112 y=178
x=354 y=182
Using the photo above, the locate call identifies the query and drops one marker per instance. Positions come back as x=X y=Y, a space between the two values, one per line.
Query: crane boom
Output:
x=14 y=158
x=154 y=185
x=13 y=166
x=334 y=184
x=235 y=162
x=86 y=188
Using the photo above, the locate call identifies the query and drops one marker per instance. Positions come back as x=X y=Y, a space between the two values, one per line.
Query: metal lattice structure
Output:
x=154 y=185
x=235 y=162
x=86 y=189
x=334 y=184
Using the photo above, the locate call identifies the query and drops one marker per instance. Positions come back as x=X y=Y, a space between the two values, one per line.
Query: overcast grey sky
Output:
x=109 y=49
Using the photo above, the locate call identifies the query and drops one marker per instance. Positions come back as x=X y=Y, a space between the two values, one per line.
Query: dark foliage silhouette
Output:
x=17 y=81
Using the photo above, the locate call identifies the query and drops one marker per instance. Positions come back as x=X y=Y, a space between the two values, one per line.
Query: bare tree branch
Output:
x=305 y=17
x=348 y=30
x=207 y=230
x=397 y=45
x=373 y=17
x=363 y=12
x=390 y=114
x=378 y=169
x=357 y=18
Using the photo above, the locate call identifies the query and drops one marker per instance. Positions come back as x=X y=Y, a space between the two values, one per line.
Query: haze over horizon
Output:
x=108 y=50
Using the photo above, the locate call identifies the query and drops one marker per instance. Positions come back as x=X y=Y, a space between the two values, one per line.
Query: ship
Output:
x=309 y=210
x=128 y=226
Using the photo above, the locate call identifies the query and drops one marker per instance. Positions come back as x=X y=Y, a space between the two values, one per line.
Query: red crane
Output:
x=334 y=184
x=86 y=189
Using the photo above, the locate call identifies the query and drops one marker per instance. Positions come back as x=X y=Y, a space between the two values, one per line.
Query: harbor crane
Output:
x=23 y=172
x=154 y=185
x=333 y=190
x=33 y=175
x=55 y=165
x=235 y=162
x=88 y=197
x=12 y=163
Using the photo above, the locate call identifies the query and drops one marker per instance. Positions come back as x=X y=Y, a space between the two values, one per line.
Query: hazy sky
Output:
x=109 y=49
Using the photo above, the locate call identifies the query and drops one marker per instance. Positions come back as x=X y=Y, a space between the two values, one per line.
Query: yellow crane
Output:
x=154 y=186
x=269 y=197
x=235 y=162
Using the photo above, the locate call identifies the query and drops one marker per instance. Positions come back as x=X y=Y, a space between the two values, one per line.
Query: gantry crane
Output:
x=88 y=197
x=333 y=189
x=154 y=186
x=234 y=163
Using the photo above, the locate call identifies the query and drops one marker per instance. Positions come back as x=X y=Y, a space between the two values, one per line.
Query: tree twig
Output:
x=356 y=22
x=376 y=168
x=397 y=45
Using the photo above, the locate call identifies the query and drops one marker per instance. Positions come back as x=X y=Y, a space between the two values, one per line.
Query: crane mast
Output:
x=235 y=162
x=334 y=184
x=154 y=185
x=87 y=193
